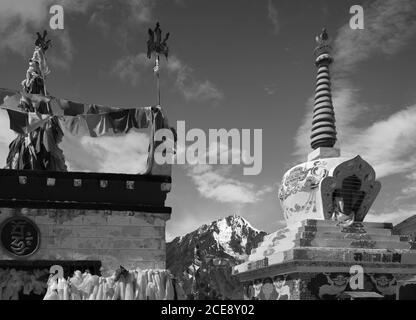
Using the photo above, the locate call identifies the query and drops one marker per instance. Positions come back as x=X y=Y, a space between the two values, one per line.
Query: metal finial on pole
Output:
x=156 y=45
x=39 y=56
x=156 y=70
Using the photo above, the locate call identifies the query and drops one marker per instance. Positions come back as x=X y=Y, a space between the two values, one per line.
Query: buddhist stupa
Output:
x=325 y=201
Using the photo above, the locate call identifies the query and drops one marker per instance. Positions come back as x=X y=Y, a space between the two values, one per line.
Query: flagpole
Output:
x=157 y=68
x=156 y=45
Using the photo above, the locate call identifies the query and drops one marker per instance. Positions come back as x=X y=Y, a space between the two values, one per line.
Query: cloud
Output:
x=141 y=10
x=273 y=16
x=271 y=89
x=388 y=27
x=110 y=154
x=409 y=191
x=130 y=13
x=6 y=136
x=62 y=54
x=191 y=88
x=212 y=184
x=19 y=20
x=390 y=144
x=215 y=182
x=181 y=3
x=393 y=217
x=131 y=68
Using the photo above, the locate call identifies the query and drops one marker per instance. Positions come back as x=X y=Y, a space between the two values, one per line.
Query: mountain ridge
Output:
x=229 y=240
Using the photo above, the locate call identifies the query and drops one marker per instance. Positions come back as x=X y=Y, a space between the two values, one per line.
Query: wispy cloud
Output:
x=388 y=27
x=63 y=53
x=390 y=145
x=192 y=88
x=19 y=20
x=6 y=136
x=273 y=16
x=409 y=191
x=394 y=217
x=271 y=89
x=213 y=183
x=140 y=10
x=217 y=182
x=130 y=13
x=131 y=68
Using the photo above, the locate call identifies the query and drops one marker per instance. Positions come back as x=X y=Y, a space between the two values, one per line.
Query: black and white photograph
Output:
x=230 y=151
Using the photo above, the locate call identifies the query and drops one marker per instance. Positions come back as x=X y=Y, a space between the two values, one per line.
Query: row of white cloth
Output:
x=135 y=285
x=13 y=282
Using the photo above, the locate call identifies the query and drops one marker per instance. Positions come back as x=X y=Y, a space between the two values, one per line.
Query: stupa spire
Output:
x=323 y=124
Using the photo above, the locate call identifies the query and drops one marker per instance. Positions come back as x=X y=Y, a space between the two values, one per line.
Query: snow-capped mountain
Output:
x=230 y=239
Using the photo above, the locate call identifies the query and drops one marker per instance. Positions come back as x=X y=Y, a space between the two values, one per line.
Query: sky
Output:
x=245 y=64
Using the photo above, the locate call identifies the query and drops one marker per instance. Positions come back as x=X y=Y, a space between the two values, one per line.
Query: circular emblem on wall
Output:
x=19 y=236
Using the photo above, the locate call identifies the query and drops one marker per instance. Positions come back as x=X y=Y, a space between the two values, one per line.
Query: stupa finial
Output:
x=41 y=41
x=323 y=124
x=323 y=37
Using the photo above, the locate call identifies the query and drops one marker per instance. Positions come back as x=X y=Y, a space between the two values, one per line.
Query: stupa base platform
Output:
x=317 y=259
